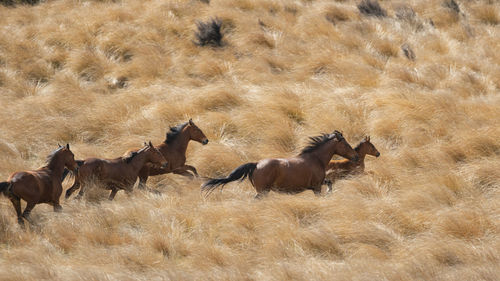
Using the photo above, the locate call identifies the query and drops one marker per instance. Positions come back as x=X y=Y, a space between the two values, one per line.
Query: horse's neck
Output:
x=361 y=154
x=180 y=143
x=325 y=152
x=56 y=166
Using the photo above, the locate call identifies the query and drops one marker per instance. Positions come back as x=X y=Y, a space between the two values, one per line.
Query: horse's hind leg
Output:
x=114 y=190
x=16 y=201
x=261 y=194
x=27 y=211
x=57 y=207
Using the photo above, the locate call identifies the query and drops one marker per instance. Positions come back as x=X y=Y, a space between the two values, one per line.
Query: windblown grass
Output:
x=105 y=77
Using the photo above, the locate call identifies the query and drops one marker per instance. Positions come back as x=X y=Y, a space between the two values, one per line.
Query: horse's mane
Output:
x=317 y=141
x=174 y=132
x=51 y=156
x=131 y=155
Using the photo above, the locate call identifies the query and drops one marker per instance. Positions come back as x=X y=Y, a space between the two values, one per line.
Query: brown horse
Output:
x=338 y=169
x=291 y=175
x=174 y=150
x=116 y=174
x=39 y=186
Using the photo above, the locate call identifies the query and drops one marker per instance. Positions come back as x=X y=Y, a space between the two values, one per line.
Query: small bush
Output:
x=371 y=8
x=15 y=2
x=452 y=5
x=209 y=33
x=408 y=51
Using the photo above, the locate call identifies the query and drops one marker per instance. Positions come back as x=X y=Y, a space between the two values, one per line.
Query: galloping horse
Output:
x=174 y=150
x=39 y=186
x=116 y=174
x=338 y=169
x=291 y=175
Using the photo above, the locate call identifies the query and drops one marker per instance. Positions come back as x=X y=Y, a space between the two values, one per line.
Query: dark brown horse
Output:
x=174 y=150
x=39 y=186
x=115 y=174
x=338 y=169
x=291 y=175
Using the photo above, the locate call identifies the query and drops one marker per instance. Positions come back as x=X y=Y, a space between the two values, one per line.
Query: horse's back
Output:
x=287 y=174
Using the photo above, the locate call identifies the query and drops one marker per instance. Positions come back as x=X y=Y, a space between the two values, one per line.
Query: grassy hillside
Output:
x=107 y=75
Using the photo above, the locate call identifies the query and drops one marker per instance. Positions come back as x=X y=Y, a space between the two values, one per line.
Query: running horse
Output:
x=290 y=175
x=338 y=169
x=174 y=150
x=43 y=185
x=116 y=174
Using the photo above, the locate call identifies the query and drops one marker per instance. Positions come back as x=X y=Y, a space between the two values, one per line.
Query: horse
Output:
x=116 y=174
x=290 y=175
x=338 y=169
x=43 y=185
x=174 y=150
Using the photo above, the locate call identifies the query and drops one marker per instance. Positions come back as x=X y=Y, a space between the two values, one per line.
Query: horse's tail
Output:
x=4 y=187
x=240 y=173
x=66 y=171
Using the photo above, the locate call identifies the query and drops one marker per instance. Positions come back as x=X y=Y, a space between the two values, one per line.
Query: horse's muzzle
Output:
x=205 y=141
x=164 y=165
x=378 y=154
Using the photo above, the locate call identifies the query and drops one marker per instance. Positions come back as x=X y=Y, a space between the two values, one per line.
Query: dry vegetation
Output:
x=107 y=75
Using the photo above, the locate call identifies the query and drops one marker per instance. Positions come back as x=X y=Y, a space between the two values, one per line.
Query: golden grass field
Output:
x=427 y=209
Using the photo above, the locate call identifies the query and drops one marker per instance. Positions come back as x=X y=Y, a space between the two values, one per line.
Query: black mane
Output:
x=315 y=143
x=131 y=155
x=174 y=132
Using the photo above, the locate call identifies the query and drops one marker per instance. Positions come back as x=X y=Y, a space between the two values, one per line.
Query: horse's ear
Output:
x=191 y=121
x=367 y=138
x=150 y=144
x=67 y=146
x=145 y=144
x=59 y=145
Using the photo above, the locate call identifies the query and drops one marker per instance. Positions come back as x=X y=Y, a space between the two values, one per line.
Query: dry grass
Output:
x=105 y=78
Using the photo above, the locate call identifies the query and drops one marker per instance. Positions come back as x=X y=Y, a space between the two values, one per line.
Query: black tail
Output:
x=4 y=187
x=66 y=171
x=240 y=173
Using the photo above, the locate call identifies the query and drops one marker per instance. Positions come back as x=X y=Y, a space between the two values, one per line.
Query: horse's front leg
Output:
x=143 y=177
x=329 y=185
x=183 y=171
x=72 y=189
x=317 y=190
x=56 y=195
x=192 y=169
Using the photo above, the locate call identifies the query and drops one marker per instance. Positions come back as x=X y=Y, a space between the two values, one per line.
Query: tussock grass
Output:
x=422 y=81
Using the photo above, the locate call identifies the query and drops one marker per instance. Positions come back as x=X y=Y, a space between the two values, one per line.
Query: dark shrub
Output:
x=209 y=33
x=452 y=5
x=15 y=2
x=408 y=51
x=371 y=8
